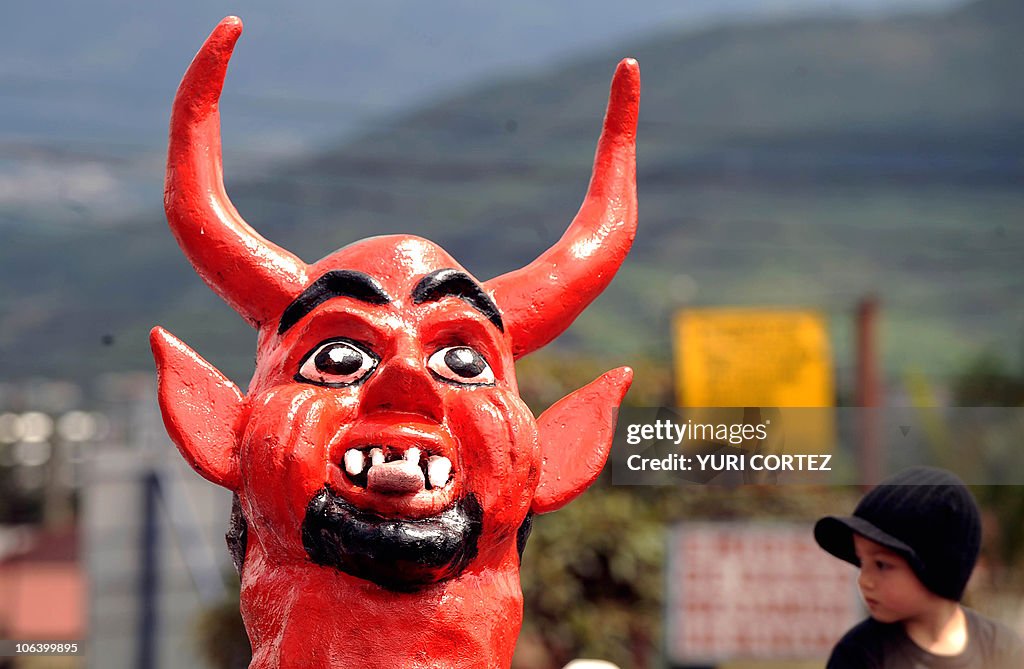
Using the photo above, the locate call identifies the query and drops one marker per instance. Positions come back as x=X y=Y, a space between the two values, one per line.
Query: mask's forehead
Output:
x=398 y=262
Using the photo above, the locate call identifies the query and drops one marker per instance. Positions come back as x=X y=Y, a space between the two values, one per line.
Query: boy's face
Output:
x=890 y=588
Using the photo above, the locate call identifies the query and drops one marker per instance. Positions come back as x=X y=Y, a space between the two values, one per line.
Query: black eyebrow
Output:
x=445 y=282
x=337 y=283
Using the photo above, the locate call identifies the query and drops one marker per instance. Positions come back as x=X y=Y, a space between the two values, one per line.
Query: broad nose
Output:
x=403 y=384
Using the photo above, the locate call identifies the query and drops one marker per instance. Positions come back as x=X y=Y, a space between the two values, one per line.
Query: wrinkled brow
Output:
x=337 y=283
x=452 y=282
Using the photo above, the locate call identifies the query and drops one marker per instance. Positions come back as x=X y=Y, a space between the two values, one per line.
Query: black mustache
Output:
x=398 y=554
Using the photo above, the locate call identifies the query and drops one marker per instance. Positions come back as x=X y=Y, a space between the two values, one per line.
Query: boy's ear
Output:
x=575 y=438
x=200 y=407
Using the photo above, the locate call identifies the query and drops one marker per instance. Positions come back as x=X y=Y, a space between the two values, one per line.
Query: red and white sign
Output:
x=755 y=591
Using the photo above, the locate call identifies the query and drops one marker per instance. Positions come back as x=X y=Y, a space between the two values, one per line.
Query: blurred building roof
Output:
x=42 y=585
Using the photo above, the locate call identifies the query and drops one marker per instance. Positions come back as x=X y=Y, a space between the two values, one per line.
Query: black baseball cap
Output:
x=925 y=514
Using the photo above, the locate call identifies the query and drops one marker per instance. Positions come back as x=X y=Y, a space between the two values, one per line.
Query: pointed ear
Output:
x=200 y=409
x=576 y=437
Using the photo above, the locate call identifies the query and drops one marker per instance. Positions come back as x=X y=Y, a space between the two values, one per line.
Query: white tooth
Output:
x=413 y=455
x=438 y=470
x=354 y=461
x=376 y=457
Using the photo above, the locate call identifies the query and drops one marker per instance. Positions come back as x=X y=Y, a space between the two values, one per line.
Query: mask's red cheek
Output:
x=285 y=455
x=497 y=436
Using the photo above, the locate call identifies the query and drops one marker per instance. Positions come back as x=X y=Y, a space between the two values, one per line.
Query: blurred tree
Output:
x=988 y=380
x=220 y=633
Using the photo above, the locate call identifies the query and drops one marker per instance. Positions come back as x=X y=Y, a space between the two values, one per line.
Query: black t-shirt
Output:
x=875 y=645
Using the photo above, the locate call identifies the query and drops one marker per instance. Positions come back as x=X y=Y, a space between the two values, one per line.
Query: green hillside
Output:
x=794 y=163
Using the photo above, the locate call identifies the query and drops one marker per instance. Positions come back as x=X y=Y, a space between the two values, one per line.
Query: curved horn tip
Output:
x=627 y=76
x=624 y=99
x=231 y=24
x=204 y=79
x=630 y=65
x=224 y=36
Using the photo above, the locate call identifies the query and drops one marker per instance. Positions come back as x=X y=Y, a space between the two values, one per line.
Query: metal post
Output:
x=148 y=573
x=869 y=391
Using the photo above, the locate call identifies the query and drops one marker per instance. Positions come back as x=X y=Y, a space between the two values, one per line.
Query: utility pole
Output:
x=869 y=390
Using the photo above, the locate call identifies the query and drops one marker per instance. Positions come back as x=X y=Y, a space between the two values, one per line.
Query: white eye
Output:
x=339 y=362
x=461 y=365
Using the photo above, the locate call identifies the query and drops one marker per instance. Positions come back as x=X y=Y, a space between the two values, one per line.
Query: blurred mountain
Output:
x=791 y=162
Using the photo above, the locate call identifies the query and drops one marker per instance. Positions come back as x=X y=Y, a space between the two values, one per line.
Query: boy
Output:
x=916 y=538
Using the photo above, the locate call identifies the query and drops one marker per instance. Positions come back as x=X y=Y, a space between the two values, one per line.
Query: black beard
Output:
x=397 y=554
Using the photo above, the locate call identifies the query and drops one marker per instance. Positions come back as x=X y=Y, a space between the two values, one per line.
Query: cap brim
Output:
x=835 y=535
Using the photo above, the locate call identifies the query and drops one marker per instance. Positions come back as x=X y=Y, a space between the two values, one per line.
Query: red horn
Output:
x=542 y=299
x=257 y=278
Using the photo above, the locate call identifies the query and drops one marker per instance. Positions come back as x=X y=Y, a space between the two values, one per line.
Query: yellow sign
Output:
x=750 y=357
x=729 y=357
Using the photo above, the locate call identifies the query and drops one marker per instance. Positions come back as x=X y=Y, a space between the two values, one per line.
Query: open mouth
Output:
x=396 y=467
x=393 y=471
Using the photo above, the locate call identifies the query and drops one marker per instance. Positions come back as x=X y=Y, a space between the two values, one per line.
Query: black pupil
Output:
x=465 y=362
x=340 y=360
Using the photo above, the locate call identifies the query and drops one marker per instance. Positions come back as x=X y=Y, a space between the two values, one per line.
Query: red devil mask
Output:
x=385 y=468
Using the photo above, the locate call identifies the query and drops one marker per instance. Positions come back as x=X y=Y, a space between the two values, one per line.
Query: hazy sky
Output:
x=87 y=86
